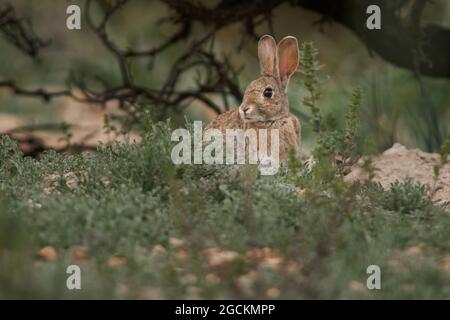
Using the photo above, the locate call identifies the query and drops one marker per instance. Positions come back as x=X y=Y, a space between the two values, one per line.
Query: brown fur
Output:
x=256 y=111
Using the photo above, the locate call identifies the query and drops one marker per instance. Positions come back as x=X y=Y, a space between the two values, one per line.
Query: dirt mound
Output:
x=398 y=163
x=86 y=121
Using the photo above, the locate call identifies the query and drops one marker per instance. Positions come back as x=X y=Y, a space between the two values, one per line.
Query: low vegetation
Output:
x=141 y=227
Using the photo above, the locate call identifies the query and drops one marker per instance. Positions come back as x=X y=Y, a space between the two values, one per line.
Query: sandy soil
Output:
x=398 y=163
x=87 y=120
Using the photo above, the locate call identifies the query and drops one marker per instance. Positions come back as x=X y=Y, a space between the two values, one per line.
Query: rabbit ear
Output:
x=288 y=57
x=268 y=56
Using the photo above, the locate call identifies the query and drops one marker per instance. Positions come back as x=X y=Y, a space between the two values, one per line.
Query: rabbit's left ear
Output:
x=288 y=58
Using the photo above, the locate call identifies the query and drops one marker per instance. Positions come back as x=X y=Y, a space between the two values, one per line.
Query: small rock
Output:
x=48 y=253
x=193 y=292
x=273 y=293
x=79 y=253
x=175 y=242
x=413 y=251
x=445 y=264
x=212 y=278
x=273 y=263
x=150 y=294
x=188 y=279
x=246 y=283
x=117 y=261
x=48 y=190
x=158 y=249
x=292 y=267
x=218 y=257
x=105 y=181
x=71 y=180
x=357 y=286
x=182 y=255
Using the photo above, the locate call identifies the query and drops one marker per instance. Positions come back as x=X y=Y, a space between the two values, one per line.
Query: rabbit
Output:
x=265 y=103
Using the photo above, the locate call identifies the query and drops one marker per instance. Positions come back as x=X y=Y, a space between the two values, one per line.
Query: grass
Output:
x=140 y=227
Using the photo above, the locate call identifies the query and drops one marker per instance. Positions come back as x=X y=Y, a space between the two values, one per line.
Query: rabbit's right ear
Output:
x=268 y=56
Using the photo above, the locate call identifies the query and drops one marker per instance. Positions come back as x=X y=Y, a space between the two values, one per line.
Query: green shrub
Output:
x=124 y=200
x=406 y=197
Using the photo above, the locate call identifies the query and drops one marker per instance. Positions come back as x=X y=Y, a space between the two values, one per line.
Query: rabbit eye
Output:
x=268 y=92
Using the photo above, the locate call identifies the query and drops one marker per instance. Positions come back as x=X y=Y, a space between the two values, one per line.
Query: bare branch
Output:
x=19 y=32
x=37 y=93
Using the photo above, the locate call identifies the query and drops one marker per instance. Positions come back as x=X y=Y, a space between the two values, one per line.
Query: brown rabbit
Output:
x=265 y=104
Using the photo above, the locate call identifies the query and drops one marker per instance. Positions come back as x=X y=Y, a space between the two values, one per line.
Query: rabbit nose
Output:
x=245 y=109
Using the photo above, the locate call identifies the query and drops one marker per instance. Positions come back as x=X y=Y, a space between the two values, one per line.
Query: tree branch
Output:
x=19 y=32
x=397 y=42
x=37 y=93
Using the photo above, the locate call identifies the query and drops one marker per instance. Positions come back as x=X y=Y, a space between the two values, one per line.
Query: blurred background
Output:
x=61 y=87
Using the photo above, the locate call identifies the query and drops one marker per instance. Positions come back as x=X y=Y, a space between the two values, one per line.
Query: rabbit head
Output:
x=266 y=98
